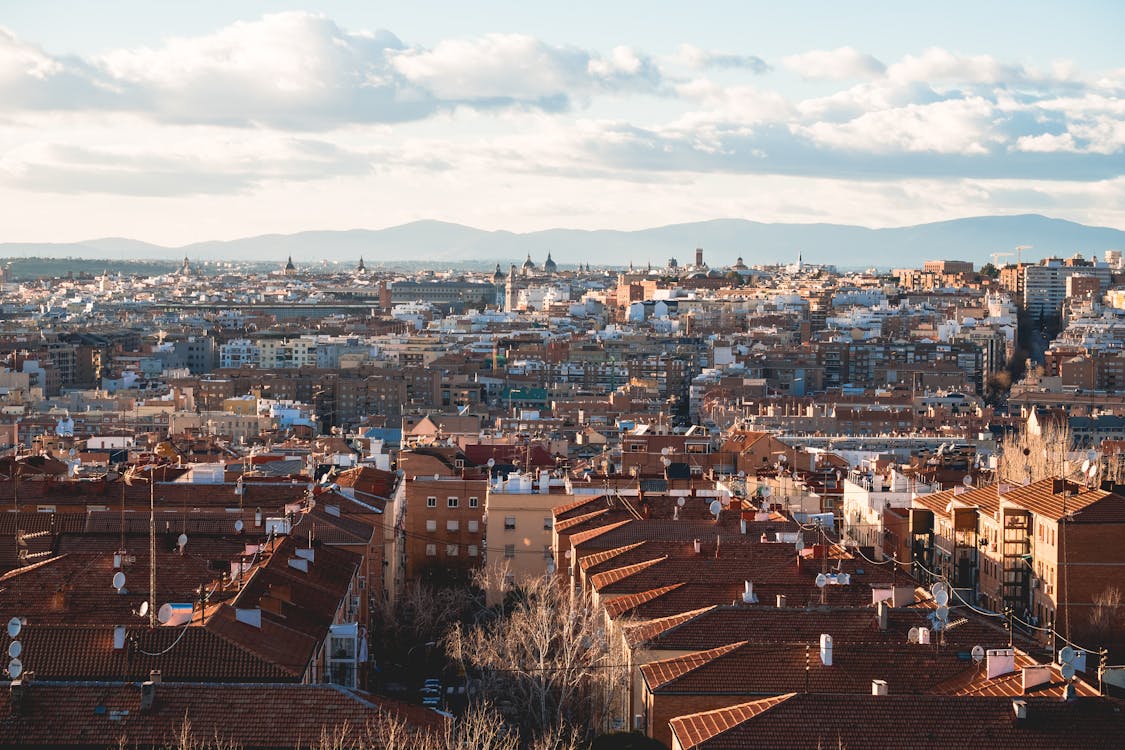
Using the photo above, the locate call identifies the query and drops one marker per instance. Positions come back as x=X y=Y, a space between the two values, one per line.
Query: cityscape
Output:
x=514 y=380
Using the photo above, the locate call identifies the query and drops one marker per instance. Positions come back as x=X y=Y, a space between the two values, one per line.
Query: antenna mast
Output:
x=152 y=549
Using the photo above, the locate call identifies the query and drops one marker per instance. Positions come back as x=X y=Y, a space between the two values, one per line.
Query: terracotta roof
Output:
x=623 y=604
x=975 y=682
x=1039 y=498
x=638 y=633
x=102 y=714
x=693 y=729
x=985 y=498
x=601 y=580
x=659 y=673
x=902 y=722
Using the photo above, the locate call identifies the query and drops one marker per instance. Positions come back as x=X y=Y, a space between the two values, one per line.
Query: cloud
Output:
x=840 y=63
x=700 y=59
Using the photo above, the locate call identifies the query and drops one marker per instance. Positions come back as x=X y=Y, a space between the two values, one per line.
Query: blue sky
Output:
x=177 y=122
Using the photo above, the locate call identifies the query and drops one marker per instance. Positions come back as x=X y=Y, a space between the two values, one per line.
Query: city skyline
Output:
x=181 y=125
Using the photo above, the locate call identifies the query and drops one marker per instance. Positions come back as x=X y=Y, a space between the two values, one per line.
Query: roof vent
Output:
x=781 y=601
x=883 y=614
x=698 y=546
x=154 y=676
x=879 y=687
x=1020 y=709
x=748 y=595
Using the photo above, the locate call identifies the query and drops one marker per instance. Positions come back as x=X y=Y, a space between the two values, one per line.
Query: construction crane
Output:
x=996 y=256
x=1019 y=253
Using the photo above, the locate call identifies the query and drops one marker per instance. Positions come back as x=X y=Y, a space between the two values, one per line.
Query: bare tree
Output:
x=545 y=660
x=1106 y=613
x=1036 y=452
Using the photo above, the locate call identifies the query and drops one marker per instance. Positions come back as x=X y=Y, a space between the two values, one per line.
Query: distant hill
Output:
x=723 y=241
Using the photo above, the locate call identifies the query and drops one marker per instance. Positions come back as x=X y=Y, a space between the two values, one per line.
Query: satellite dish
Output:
x=15 y=668
x=1066 y=655
x=967 y=481
x=665 y=451
x=978 y=654
x=680 y=501
x=491 y=462
x=15 y=648
x=142 y=611
x=238 y=525
x=941 y=596
x=939 y=586
x=1067 y=671
x=821 y=580
x=912 y=635
x=1085 y=466
x=766 y=492
x=799 y=545
x=182 y=540
x=15 y=625
x=715 y=507
x=119 y=580
x=164 y=614
x=1093 y=471
x=942 y=614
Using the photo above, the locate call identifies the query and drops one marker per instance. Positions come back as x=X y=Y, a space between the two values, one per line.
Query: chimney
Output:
x=748 y=595
x=883 y=615
x=154 y=676
x=1020 y=709
x=119 y=638
x=18 y=690
x=742 y=525
x=780 y=601
x=148 y=695
x=826 y=649
x=879 y=687
x=251 y=617
x=1035 y=675
x=1070 y=693
x=698 y=546
x=1000 y=661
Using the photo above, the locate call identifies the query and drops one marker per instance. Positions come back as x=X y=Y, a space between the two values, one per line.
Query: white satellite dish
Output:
x=912 y=635
x=665 y=451
x=142 y=611
x=182 y=540
x=766 y=492
x=941 y=596
x=238 y=525
x=1093 y=471
x=1067 y=671
x=978 y=654
x=1066 y=655
x=15 y=648
x=119 y=580
x=680 y=501
x=715 y=507
x=1085 y=466
x=939 y=586
x=15 y=625
x=15 y=668
x=164 y=614
x=821 y=580
x=942 y=614
x=967 y=481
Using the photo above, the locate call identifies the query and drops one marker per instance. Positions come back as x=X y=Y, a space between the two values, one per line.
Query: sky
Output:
x=181 y=122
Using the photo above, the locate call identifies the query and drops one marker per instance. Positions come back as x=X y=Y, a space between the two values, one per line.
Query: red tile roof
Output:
x=102 y=714
x=904 y=722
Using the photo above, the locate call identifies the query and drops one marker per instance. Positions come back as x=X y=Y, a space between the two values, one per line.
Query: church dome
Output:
x=528 y=264
x=549 y=265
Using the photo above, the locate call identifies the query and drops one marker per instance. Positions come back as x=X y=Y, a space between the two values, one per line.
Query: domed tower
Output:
x=528 y=265
x=185 y=269
x=498 y=282
x=361 y=269
x=549 y=266
x=290 y=269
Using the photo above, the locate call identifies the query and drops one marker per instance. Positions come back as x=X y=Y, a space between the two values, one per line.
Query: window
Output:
x=474 y=526
x=509 y=550
x=509 y=523
x=431 y=525
x=451 y=550
x=431 y=550
x=452 y=525
x=431 y=502
x=474 y=502
x=472 y=550
x=451 y=502
x=547 y=524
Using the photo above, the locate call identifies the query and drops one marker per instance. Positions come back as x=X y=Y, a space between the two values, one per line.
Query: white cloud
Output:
x=840 y=63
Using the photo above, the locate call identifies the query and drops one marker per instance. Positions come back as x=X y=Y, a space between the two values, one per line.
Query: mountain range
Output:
x=723 y=241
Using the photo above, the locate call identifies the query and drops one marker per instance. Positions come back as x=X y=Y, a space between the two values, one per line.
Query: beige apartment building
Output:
x=518 y=522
